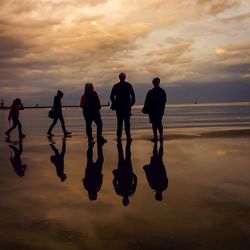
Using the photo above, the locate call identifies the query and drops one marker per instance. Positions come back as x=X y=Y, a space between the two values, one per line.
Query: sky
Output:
x=200 y=49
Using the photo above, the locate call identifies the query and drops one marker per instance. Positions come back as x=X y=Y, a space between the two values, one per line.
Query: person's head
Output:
x=156 y=82
x=17 y=101
x=158 y=196
x=88 y=88
x=60 y=93
x=122 y=76
x=125 y=201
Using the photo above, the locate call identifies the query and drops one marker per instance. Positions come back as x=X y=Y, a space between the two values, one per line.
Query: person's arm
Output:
x=98 y=101
x=113 y=98
x=21 y=106
x=132 y=96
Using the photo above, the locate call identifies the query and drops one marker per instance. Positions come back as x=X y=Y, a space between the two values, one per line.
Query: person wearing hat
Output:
x=123 y=98
x=14 y=115
x=57 y=111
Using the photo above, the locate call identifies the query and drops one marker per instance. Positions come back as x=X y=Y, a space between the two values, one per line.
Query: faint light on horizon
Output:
x=220 y=50
x=94 y=23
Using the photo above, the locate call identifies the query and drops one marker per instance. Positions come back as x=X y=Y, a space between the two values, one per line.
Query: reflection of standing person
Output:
x=122 y=98
x=154 y=106
x=14 y=115
x=16 y=160
x=90 y=103
x=156 y=172
x=93 y=179
x=57 y=109
x=125 y=181
x=58 y=160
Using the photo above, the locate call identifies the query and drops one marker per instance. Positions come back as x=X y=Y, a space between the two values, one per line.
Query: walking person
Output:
x=154 y=106
x=122 y=98
x=90 y=104
x=57 y=110
x=14 y=115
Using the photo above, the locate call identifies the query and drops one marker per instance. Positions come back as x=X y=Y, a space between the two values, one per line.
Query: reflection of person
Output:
x=90 y=103
x=125 y=181
x=154 y=106
x=16 y=159
x=58 y=160
x=93 y=179
x=122 y=98
x=57 y=109
x=156 y=172
x=14 y=115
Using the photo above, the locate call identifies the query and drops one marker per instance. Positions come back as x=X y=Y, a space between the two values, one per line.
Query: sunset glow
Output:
x=46 y=45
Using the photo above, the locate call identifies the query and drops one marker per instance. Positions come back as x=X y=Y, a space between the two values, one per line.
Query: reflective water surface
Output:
x=183 y=194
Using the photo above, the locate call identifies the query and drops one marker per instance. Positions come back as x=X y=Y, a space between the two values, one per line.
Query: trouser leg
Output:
x=98 y=122
x=62 y=124
x=160 y=128
x=154 y=127
x=119 y=127
x=52 y=125
x=89 y=128
x=19 y=128
x=12 y=127
x=127 y=126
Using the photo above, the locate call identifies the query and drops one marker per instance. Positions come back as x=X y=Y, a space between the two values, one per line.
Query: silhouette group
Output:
x=122 y=100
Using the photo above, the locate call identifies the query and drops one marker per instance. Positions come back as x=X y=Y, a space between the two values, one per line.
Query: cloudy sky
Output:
x=199 y=48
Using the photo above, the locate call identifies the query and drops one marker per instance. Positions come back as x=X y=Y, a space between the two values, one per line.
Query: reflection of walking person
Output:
x=14 y=115
x=16 y=160
x=58 y=160
x=57 y=110
x=90 y=104
x=93 y=179
x=125 y=181
x=156 y=172
x=122 y=98
x=154 y=106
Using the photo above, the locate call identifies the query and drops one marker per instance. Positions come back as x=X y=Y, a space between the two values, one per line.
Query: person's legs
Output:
x=160 y=129
x=89 y=129
x=98 y=122
x=63 y=125
x=52 y=126
x=127 y=126
x=11 y=128
x=119 y=125
x=154 y=127
x=21 y=135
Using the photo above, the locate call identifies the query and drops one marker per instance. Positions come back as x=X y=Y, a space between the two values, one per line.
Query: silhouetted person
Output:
x=122 y=98
x=154 y=106
x=93 y=179
x=16 y=160
x=90 y=104
x=125 y=181
x=58 y=160
x=57 y=108
x=156 y=172
x=14 y=115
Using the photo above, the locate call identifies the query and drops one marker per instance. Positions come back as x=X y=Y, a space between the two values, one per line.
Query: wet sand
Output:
x=205 y=206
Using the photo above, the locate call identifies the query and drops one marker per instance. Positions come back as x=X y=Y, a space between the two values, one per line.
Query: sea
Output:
x=178 y=116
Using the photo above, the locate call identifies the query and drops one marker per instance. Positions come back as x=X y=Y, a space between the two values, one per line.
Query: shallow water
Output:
x=205 y=203
x=205 y=206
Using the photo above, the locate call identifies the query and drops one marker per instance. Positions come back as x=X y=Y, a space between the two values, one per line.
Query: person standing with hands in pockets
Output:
x=122 y=98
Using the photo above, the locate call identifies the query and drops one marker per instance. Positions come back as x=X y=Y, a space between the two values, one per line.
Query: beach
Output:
x=205 y=202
